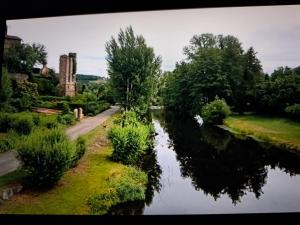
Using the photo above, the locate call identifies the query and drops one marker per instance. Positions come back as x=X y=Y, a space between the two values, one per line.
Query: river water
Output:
x=195 y=169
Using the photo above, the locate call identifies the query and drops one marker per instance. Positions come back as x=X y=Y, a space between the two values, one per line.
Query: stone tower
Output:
x=67 y=71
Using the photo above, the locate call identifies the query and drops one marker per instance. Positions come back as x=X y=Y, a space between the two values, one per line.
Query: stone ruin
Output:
x=67 y=77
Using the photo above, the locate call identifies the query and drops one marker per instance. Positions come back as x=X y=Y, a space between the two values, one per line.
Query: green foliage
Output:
x=25 y=95
x=127 y=118
x=278 y=91
x=8 y=141
x=130 y=138
x=54 y=98
x=133 y=69
x=46 y=155
x=23 y=125
x=293 y=111
x=215 y=65
x=65 y=108
x=46 y=85
x=215 y=112
x=6 y=122
x=66 y=119
x=36 y=119
x=51 y=124
x=130 y=187
x=81 y=148
x=22 y=58
x=6 y=90
x=49 y=105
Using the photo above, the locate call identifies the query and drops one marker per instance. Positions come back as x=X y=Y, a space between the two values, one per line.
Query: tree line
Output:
x=219 y=66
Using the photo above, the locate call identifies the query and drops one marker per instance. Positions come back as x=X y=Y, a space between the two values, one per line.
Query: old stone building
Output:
x=67 y=77
x=11 y=41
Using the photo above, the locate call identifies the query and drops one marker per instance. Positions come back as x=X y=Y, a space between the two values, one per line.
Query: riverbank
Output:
x=94 y=175
x=281 y=132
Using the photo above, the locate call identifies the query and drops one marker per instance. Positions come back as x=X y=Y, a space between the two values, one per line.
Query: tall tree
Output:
x=133 y=69
x=216 y=65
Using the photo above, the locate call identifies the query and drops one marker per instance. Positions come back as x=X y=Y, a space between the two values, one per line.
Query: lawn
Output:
x=92 y=176
x=282 y=132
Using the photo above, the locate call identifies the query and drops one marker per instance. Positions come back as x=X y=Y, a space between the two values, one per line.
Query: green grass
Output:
x=281 y=132
x=93 y=175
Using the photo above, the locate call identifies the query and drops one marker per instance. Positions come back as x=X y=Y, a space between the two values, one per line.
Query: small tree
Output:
x=215 y=112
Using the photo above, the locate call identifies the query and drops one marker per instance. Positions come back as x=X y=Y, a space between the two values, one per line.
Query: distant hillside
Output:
x=83 y=78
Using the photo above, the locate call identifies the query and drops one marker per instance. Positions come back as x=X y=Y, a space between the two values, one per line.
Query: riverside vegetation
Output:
x=219 y=81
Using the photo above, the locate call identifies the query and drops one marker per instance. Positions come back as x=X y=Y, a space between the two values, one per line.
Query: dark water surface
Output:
x=206 y=170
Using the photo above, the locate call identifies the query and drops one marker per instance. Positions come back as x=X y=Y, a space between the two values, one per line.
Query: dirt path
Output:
x=9 y=162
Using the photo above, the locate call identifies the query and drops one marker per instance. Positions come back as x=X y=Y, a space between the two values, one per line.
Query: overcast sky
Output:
x=273 y=31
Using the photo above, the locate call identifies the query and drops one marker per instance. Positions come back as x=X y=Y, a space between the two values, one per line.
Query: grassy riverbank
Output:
x=95 y=175
x=281 y=132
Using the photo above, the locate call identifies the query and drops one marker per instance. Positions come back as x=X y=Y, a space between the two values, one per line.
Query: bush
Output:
x=23 y=125
x=80 y=150
x=46 y=155
x=6 y=122
x=49 y=105
x=130 y=187
x=67 y=119
x=127 y=118
x=8 y=141
x=54 y=98
x=293 y=111
x=36 y=120
x=215 y=112
x=51 y=124
x=129 y=142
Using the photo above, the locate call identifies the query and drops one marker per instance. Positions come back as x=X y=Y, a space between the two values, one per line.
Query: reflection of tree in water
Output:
x=219 y=164
x=153 y=170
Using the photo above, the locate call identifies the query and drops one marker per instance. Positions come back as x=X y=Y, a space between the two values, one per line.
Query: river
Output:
x=206 y=170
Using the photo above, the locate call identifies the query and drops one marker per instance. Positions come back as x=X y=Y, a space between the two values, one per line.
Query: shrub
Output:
x=8 y=141
x=215 y=112
x=66 y=119
x=293 y=111
x=64 y=106
x=130 y=187
x=127 y=118
x=36 y=120
x=23 y=124
x=46 y=155
x=80 y=150
x=54 y=98
x=51 y=124
x=129 y=142
x=49 y=105
x=6 y=122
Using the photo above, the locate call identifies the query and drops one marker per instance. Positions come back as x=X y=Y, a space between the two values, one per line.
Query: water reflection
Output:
x=210 y=160
x=219 y=163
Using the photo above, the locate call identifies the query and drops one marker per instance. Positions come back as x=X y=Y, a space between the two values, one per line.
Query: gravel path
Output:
x=9 y=162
